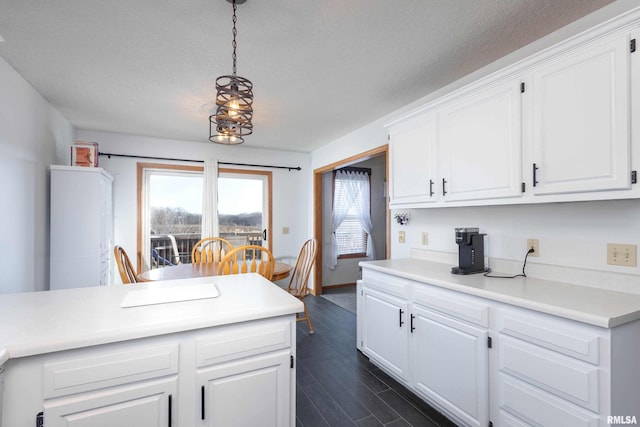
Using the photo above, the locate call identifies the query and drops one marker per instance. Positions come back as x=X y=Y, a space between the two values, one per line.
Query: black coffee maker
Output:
x=470 y=251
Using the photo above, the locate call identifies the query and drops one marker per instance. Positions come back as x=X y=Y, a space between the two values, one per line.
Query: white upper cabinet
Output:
x=412 y=159
x=481 y=144
x=554 y=127
x=580 y=120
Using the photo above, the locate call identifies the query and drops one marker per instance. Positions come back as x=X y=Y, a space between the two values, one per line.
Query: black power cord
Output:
x=530 y=251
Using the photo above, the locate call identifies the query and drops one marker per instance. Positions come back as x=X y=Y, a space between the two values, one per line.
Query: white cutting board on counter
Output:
x=164 y=295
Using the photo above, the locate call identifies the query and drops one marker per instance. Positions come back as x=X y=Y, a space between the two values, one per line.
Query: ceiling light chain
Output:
x=234 y=103
x=234 y=44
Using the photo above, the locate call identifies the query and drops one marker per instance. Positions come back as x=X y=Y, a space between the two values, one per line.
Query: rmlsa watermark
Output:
x=621 y=419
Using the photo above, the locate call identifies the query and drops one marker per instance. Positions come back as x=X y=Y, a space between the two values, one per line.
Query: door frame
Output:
x=141 y=166
x=317 y=203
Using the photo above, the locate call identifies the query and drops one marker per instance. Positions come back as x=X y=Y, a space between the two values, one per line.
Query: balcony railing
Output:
x=172 y=249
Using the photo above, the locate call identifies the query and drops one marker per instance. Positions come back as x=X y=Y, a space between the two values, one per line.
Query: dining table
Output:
x=281 y=271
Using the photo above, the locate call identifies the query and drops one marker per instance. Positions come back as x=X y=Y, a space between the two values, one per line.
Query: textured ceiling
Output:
x=320 y=68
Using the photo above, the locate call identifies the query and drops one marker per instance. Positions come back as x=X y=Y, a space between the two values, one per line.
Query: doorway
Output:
x=320 y=205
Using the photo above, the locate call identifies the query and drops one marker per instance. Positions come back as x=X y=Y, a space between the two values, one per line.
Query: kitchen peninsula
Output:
x=97 y=356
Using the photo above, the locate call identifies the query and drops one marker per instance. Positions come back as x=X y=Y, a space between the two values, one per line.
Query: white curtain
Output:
x=357 y=186
x=210 y=199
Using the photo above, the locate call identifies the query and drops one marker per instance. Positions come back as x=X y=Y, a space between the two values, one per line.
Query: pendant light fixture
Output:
x=234 y=102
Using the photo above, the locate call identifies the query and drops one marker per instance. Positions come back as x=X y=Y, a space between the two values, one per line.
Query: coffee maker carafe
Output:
x=470 y=251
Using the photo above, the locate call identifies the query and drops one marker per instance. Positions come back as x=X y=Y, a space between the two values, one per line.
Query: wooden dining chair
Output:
x=299 y=282
x=125 y=267
x=210 y=249
x=248 y=259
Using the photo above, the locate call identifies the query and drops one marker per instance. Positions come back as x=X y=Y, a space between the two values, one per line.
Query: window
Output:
x=352 y=197
x=170 y=199
x=242 y=217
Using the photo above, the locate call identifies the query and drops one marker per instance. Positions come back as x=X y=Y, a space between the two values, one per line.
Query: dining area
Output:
x=216 y=256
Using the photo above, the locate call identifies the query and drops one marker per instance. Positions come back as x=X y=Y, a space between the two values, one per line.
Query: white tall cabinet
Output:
x=81 y=227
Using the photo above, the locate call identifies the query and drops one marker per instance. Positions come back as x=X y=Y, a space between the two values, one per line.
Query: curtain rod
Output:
x=109 y=155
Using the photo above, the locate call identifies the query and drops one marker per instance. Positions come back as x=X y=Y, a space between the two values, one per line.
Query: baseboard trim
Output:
x=342 y=285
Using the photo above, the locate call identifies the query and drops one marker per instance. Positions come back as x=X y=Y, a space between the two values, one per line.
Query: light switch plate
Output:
x=401 y=237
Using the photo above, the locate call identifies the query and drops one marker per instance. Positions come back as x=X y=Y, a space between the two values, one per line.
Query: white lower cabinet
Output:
x=483 y=362
x=240 y=375
x=252 y=392
x=450 y=365
x=385 y=331
x=433 y=349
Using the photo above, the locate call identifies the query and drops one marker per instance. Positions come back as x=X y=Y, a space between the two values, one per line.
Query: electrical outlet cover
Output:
x=425 y=238
x=620 y=254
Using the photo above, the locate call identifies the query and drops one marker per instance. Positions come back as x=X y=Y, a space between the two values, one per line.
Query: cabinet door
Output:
x=384 y=331
x=147 y=404
x=481 y=154
x=580 y=121
x=450 y=365
x=412 y=153
x=249 y=392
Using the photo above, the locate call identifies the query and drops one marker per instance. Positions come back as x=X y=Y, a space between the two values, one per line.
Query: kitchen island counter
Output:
x=150 y=354
x=41 y=322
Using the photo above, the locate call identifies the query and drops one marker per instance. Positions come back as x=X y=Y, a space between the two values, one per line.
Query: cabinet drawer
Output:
x=238 y=341
x=454 y=304
x=568 y=378
x=539 y=408
x=579 y=341
x=109 y=369
x=387 y=283
x=508 y=420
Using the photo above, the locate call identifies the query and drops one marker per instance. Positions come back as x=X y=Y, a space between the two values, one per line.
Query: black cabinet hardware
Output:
x=535 y=174
x=412 y=327
x=400 y=313
x=202 y=402
x=430 y=188
x=444 y=191
x=170 y=408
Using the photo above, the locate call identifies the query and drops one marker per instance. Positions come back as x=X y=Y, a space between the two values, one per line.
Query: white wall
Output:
x=290 y=195
x=30 y=131
x=570 y=234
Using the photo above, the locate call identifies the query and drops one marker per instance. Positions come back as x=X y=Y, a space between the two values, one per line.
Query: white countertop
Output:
x=41 y=322
x=599 y=307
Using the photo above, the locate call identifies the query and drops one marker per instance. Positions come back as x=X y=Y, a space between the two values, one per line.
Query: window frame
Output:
x=366 y=235
x=169 y=167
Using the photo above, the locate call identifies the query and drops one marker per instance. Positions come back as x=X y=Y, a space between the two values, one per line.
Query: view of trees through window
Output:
x=174 y=212
x=166 y=220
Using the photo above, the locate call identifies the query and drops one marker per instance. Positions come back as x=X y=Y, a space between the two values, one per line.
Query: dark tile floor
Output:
x=338 y=386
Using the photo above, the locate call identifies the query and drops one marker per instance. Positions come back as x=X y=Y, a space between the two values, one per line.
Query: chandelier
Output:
x=234 y=102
